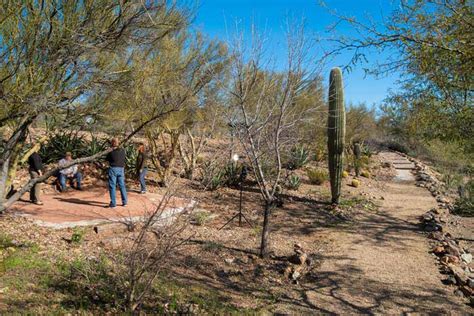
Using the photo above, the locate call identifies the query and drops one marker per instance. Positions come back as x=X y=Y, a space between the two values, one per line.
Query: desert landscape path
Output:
x=381 y=263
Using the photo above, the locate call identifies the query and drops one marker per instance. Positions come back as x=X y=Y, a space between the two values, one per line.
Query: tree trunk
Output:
x=265 y=229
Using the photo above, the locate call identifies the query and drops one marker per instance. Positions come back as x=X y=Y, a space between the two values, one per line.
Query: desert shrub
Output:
x=131 y=154
x=293 y=182
x=61 y=143
x=201 y=217
x=231 y=174
x=95 y=146
x=297 y=158
x=317 y=176
x=127 y=275
x=464 y=205
x=397 y=146
x=212 y=177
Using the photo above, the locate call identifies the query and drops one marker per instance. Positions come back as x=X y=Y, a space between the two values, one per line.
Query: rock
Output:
x=450 y=280
x=467 y=291
x=466 y=257
x=470 y=283
x=459 y=293
x=449 y=259
x=453 y=250
x=436 y=236
x=295 y=275
x=298 y=258
x=460 y=275
x=309 y=261
x=287 y=272
x=229 y=260
x=439 y=250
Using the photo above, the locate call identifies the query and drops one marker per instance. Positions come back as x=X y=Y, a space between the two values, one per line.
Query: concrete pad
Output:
x=89 y=207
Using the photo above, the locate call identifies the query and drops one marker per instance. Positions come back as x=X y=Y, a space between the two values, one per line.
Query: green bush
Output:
x=60 y=143
x=317 y=176
x=293 y=182
x=464 y=205
x=212 y=177
x=231 y=174
x=297 y=158
x=131 y=154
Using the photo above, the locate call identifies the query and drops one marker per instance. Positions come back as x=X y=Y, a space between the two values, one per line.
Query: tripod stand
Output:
x=239 y=214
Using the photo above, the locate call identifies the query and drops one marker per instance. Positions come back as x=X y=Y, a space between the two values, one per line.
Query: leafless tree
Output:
x=268 y=108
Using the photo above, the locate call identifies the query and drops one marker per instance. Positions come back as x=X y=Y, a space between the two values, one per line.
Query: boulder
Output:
x=466 y=257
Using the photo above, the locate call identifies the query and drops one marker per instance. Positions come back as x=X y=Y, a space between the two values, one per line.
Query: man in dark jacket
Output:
x=116 y=159
x=36 y=170
x=141 y=167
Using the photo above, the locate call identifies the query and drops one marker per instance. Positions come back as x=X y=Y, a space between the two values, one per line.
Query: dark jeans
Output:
x=36 y=189
x=117 y=176
x=62 y=180
x=141 y=179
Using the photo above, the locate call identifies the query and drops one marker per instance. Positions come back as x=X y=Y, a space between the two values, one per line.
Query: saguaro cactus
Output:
x=336 y=131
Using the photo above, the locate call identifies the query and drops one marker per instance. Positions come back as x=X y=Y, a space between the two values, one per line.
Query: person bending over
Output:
x=36 y=170
x=116 y=160
x=72 y=174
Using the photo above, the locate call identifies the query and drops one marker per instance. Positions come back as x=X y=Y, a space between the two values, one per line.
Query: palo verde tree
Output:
x=266 y=111
x=430 y=43
x=56 y=53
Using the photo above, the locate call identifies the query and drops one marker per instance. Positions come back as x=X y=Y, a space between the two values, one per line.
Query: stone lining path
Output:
x=381 y=264
x=88 y=207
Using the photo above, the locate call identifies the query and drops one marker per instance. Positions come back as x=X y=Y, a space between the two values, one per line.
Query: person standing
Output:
x=36 y=170
x=116 y=160
x=141 y=166
x=70 y=173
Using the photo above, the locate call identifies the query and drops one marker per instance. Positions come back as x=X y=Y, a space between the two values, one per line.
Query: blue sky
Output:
x=216 y=18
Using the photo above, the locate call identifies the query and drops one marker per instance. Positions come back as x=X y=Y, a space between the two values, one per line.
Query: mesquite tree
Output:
x=266 y=109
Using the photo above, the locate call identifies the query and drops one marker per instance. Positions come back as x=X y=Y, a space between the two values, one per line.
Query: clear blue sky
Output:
x=216 y=18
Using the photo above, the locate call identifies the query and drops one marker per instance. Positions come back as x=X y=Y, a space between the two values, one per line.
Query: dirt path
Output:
x=381 y=264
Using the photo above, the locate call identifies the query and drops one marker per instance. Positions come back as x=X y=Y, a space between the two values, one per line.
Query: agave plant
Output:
x=297 y=158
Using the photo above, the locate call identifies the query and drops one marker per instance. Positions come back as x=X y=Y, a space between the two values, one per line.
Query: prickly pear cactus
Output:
x=336 y=131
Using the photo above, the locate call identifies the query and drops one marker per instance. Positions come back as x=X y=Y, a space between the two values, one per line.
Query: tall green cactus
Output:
x=336 y=131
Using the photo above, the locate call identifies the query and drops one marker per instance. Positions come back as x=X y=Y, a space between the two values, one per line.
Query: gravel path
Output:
x=381 y=264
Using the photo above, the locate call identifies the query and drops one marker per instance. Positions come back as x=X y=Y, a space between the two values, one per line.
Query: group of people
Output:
x=116 y=159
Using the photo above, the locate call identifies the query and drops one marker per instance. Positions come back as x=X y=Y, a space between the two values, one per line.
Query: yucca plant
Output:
x=131 y=154
x=293 y=182
x=297 y=158
x=63 y=142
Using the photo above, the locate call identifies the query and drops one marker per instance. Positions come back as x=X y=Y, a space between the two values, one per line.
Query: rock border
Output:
x=453 y=259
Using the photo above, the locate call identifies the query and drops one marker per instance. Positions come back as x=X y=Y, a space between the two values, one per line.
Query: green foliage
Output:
x=317 y=176
x=336 y=132
x=77 y=235
x=61 y=143
x=293 y=182
x=232 y=173
x=201 y=217
x=212 y=176
x=74 y=142
x=96 y=145
x=131 y=155
x=464 y=205
x=297 y=158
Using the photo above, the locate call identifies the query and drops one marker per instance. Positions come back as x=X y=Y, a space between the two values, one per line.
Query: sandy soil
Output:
x=381 y=264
